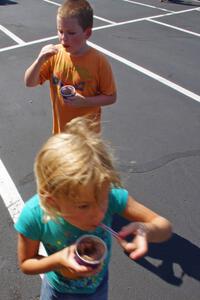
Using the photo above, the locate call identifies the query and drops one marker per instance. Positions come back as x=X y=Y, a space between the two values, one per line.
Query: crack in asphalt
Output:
x=134 y=167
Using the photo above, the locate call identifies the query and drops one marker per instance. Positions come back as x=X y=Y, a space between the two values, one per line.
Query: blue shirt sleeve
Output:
x=118 y=198
x=29 y=221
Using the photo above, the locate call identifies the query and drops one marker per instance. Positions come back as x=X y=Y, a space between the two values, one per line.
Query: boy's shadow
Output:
x=177 y=250
x=7 y=2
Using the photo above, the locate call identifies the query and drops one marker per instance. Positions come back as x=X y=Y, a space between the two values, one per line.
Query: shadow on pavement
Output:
x=177 y=251
x=186 y=2
x=7 y=2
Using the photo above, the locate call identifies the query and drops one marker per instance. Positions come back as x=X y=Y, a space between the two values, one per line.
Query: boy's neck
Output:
x=81 y=51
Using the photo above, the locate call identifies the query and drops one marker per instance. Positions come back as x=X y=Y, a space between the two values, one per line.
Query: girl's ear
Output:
x=51 y=201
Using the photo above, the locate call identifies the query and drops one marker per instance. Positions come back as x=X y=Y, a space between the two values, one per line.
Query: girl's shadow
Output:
x=177 y=250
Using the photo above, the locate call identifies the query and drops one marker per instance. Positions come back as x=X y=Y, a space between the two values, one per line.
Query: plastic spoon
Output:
x=109 y=229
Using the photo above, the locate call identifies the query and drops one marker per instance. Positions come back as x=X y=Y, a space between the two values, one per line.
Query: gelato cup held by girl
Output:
x=90 y=250
x=67 y=91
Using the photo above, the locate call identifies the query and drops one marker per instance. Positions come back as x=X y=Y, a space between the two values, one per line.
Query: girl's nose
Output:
x=98 y=213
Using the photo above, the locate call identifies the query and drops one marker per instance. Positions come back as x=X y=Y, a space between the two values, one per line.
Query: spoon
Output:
x=109 y=229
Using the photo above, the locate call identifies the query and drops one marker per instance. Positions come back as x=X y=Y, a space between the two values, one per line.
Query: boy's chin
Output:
x=67 y=48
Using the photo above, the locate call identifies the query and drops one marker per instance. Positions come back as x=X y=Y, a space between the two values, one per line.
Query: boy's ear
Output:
x=88 y=32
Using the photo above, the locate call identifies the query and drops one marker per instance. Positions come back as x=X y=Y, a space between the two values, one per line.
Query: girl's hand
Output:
x=47 y=51
x=70 y=268
x=138 y=247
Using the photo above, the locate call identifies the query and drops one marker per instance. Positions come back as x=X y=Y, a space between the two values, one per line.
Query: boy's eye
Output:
x=71 y=32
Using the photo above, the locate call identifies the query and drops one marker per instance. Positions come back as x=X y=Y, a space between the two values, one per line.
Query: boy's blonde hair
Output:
x=70 y=160
x=79 y=9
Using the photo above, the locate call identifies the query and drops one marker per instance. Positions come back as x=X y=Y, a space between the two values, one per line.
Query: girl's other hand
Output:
x=138 y=247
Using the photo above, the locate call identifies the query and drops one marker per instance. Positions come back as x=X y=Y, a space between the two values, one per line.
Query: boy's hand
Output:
x=70 y=268
x=47 y=51
x=76 y=101
x=138 y=247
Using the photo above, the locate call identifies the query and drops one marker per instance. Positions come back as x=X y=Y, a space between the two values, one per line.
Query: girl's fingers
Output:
x=137 y=248
x=126 y=230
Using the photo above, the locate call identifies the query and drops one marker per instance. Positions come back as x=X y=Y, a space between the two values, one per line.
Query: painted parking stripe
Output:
x=12 y=35
x=12 y=199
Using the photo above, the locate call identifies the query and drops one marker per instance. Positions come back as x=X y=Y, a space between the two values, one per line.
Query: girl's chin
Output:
x=89 y=228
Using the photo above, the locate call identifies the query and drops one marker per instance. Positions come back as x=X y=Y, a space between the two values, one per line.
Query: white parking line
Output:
x=96 y=17
x=148 y=73
x=12 y=35
x=175 y=27
x=12 y=198
x=147 y=5
x=132 y=65
x=9 y=193
x=112 y=24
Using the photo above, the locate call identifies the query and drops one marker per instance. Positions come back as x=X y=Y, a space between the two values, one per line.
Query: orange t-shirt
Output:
x=90 y=74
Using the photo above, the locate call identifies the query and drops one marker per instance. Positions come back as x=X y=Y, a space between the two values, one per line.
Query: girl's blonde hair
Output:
x=70 y=160
x=79 y=9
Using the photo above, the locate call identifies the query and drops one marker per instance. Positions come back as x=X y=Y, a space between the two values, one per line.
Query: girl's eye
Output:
x=83 y=206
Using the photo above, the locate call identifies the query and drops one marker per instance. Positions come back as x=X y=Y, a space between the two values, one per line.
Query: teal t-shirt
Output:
x=56 y=235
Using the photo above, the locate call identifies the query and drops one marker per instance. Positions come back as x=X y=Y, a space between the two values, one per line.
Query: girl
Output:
x=78 y=189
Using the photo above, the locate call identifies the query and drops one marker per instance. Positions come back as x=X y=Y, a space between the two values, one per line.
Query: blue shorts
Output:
x=49 y=293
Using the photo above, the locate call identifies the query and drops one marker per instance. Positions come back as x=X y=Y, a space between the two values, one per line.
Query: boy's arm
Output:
x=99 y=100
x=32 y=74
x=32 y=263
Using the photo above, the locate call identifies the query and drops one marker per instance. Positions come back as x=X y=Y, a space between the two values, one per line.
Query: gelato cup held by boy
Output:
x=67 y=91
x=90 y=250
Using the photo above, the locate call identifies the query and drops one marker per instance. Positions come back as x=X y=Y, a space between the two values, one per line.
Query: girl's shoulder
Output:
x=118 y=198
x=33 y=202
x=32 y=206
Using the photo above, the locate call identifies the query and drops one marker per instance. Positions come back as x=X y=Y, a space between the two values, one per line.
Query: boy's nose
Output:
x=65 y=37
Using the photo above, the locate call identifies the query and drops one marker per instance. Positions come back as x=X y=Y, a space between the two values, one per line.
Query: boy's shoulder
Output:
x=96 y=53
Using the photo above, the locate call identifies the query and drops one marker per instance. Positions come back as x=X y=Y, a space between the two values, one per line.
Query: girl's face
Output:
x=72 y=36
x=87 y=212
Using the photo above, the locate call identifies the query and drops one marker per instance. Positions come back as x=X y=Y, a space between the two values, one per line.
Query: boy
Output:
x=74 y=62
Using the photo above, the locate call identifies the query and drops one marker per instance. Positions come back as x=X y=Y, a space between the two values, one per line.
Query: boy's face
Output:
x=72 y=36
x=87 y=212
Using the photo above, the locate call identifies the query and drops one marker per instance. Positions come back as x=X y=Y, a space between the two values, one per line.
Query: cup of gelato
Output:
x=90 y=250
x=67 y=91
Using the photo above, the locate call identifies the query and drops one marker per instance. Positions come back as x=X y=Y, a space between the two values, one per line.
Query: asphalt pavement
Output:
x=154 y=127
